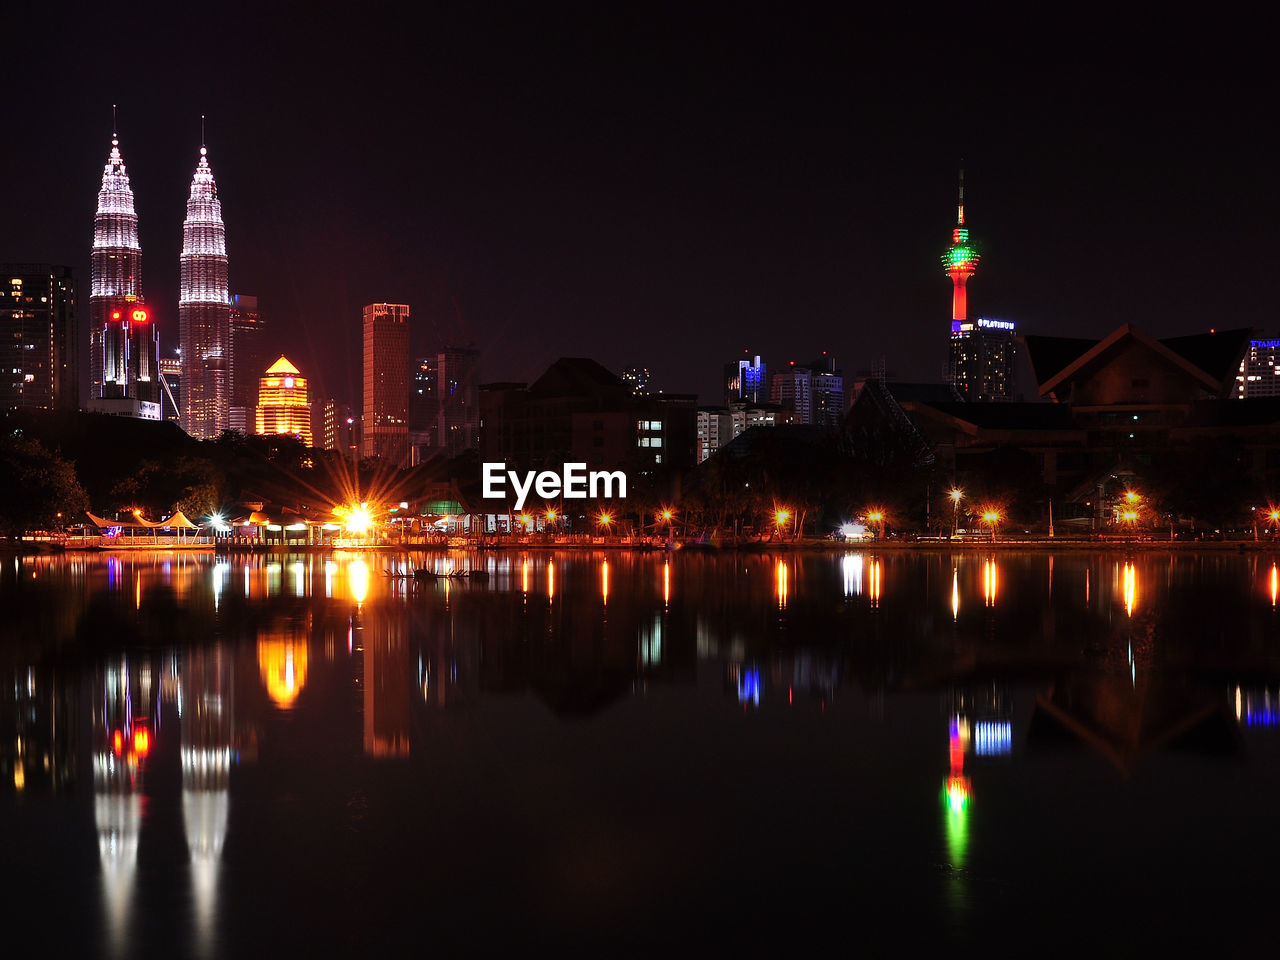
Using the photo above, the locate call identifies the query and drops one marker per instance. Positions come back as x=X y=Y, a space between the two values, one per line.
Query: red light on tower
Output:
x=115 y=314
x=141 y=741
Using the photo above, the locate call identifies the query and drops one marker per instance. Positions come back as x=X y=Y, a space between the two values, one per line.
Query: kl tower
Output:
x=960 y=262
x=983 y=352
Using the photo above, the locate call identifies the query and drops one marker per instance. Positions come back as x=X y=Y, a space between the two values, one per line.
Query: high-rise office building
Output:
x=983 y=353
x=458 y=420
x=248 y=359
x=39 y=356
x=813 y=392
x=746 y=380
x=204 y=310
x=1259 y=374
x=385 y=430
x=171 y=380
x=339 y=428
x=283 y=403
x=124 y=376
x=424 y=401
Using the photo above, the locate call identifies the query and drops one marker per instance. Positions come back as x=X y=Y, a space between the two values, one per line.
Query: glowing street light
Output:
x=956 y=496
x=667 y=516
x=991 y=517
x=781 y=516
x=876 y=516
x=605 y=519
x=358 y=519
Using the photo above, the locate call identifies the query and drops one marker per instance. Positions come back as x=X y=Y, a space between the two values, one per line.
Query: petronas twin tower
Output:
x=204 y=310
x=125 y=374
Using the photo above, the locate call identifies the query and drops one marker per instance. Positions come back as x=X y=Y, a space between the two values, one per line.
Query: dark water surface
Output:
x=308 y=755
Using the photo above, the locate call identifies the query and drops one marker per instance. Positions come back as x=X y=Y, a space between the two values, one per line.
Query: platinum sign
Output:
x=573 y=483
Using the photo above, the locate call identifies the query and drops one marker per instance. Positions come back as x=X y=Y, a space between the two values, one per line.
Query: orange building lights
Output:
x=283 y=404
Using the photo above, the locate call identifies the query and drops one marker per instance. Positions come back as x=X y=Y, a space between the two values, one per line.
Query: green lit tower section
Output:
x=960 y=262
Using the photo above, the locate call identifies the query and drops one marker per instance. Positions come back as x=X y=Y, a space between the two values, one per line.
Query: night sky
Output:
x=659 y=185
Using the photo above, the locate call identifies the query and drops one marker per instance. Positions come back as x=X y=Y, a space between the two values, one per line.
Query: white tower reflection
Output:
x=122 y=737
x=206 y=768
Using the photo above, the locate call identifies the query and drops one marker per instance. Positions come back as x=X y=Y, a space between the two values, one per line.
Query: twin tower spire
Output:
x=123 y=339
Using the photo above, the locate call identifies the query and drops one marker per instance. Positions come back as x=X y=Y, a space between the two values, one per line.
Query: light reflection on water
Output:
x=200 y=696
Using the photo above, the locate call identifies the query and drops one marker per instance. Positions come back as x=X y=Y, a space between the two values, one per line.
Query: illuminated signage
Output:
x=139 y=316
x=1264 y=344
x=996 y=324
x=576 y=483
x=115 y=314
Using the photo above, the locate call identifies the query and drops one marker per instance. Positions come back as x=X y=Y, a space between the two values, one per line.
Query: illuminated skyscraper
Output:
x=38 y=337
x=283 y=404
x=983 y=352
x=248 y=360
x=123 y=368
x=746 y=379
x=386 y=382
x=204 y=310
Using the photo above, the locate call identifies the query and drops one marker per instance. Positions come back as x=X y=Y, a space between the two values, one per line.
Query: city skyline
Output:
x=674 y=191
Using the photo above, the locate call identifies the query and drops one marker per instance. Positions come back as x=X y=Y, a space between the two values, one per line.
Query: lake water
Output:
x=617 y=753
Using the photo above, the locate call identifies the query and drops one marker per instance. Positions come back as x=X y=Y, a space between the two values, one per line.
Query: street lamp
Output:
x=604 y=520
x=780 y=517
x=667 y=515
x=991 y=517
x=877 y=517
x=956 y=496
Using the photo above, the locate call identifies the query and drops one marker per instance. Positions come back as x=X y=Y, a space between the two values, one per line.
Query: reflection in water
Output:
x=123 y=740
x=749 y=686
x=282 y=661
x=851 y=566
x=386 y=680
x=206 y=768
x=1275 y=585
x=725 y=647
x=358 y=580
x=649 y=643
x=957 y=793
x=221 y=572
x=1130 y=587
x=1257 y=708
x=955 y=593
